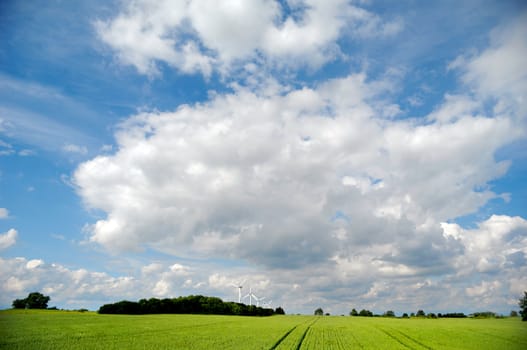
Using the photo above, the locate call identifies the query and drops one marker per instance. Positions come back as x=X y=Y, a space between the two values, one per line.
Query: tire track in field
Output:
x=286 y=334
x=412 y=339
x=299 y=345
x=395 y=338
x=275 y=345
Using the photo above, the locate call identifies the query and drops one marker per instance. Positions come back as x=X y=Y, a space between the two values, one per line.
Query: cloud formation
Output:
x=333 y=179
x=7 y=239
x=291 y=179
x=487 y=272
x=203 y=35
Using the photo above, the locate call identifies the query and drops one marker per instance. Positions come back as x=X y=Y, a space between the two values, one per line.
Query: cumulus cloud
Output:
x=70 y=288
x=499 y=71
x=8 y=238
x=203 y=35
x=81 y=288
x=295 y=179
x=356 y=280
x=327 y=186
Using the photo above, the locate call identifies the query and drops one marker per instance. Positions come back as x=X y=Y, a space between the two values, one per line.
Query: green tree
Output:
x=319 y=312
x=354 y=312
x=420 y=313
x=513 y=314
x=389 y=313
x=34 y=300
x=19 y=304
x=366 y=313
x=523 y=306
x=279 y=311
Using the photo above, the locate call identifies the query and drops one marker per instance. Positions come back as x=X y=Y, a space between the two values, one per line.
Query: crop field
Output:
x=22 y=329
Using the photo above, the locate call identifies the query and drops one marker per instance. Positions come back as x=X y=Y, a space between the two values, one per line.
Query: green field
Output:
x=22 y=329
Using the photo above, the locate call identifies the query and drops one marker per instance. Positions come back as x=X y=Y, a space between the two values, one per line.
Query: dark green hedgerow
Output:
x=193 y=304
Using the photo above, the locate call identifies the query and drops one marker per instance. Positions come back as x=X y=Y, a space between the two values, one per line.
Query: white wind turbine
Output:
x=266 y=304
x=239 y=286
x=252 y=296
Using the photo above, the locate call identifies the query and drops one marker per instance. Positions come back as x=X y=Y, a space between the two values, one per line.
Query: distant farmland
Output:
x=24 y=329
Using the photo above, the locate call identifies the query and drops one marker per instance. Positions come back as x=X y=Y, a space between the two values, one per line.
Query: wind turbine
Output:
x=239 y=286
x=251 y=295
x=267 y=304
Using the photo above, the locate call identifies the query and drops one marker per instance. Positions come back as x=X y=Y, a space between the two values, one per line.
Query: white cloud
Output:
x=4 y=213
x=499 y=71
x=8 y=238
x=45 y=118
x=322 y=186
x=497 y=244
x=69 y=288
x=5 y=148
x=261 y=178
x=72 y=148
x=76 y=288
x=32 y=264
x=201 y=35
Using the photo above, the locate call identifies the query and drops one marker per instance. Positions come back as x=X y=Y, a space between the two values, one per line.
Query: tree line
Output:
x=419 y=313
x=192 y=304
x=522 y=303
x=199 y=304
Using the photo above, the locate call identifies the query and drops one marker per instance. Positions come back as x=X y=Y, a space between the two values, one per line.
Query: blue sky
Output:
x=366 y=154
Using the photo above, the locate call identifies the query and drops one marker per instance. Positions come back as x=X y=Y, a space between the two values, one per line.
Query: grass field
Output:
x=22 y=329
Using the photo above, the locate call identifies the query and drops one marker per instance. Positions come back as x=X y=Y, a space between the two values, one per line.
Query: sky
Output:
x=335 y=154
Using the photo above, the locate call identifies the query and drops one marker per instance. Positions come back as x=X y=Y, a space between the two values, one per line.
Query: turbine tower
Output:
x=252 y=296
x=239 y=286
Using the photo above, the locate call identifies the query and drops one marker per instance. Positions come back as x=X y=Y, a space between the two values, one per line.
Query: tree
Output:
x=523 y=306
x=420 y=313
x=389 y=313
x=354 y=312
x=34 y=300
x=513 y=314
x=319 y=312
x=279 y=311
x=366 y=313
